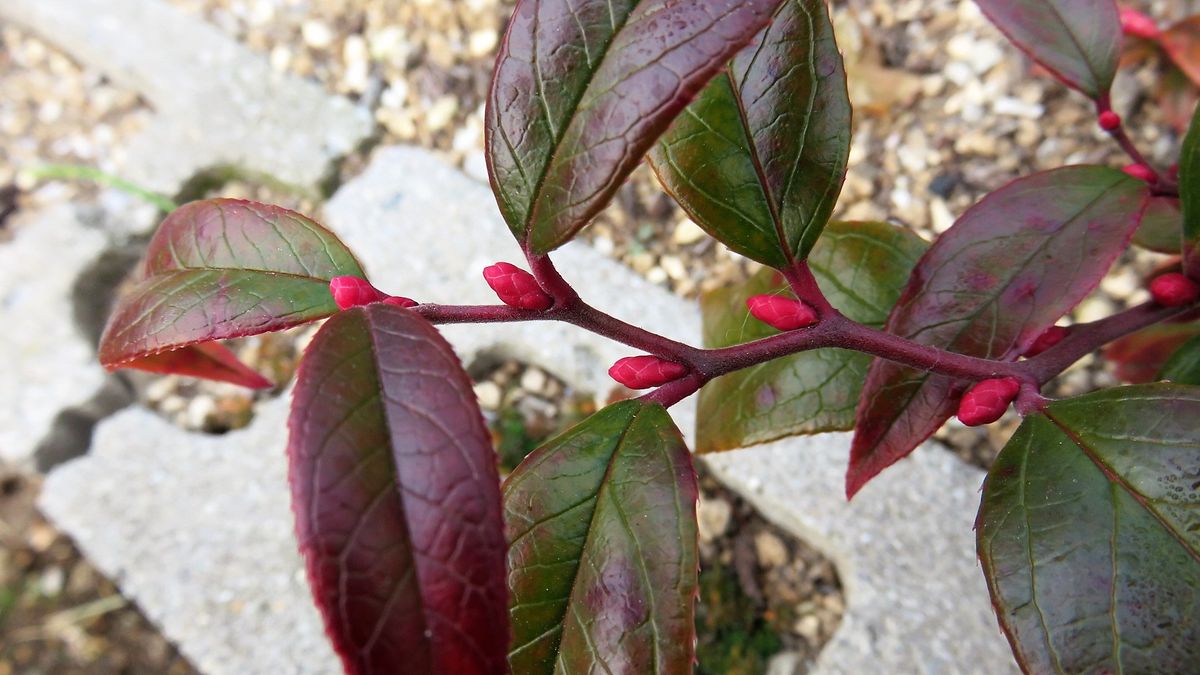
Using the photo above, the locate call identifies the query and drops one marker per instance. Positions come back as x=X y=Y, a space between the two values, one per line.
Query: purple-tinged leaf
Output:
x=222 y=269
x=583 y=88
x=1162 y=226
x=759 y=159
x=1077 y=40
x=1189 y=194
x=1140 y=356
x=397 y=499
x=602 y=559
x=207 y=360
x=1089 y=534
x=1004 y=273
x=861 y=268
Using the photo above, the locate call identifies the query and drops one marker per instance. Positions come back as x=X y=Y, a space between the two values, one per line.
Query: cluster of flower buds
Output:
x=1174 y=290
x=516 y=287
x=781 y=313
x=986 y=402
x=354 y=292
x=645 y=372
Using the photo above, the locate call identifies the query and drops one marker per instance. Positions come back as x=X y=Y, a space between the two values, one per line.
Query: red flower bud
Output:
x=1046 y=340
x=1109 y=120
x=986 y=402
x=351 y=292
x=781 y=313
x=1136 y=24
x=516 y=287
x=1140 y=172
x=644 y=372
x=1174 y=290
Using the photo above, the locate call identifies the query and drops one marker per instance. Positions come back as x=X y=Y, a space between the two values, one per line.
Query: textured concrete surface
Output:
x=49 y=364
x=217 y=102
x=197 y=529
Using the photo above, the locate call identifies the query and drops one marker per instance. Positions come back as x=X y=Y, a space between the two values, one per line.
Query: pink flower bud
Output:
x=1109 y=120
x=351 y=292
x=644 y=372
x=1140 y=172
x=401 y=301
x=781 y=313
x=516 y=287
x=1174 y=290
x=986 y=402
x=1046 y=340
x=1136 y=24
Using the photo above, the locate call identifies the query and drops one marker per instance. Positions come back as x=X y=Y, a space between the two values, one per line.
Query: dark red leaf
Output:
x=583 y=88
x=397 y=499
x=1004 y=273
x=1139 y=357
x=221 y=269
x=1079 y=41
x=1181 y=42
x=207 y=360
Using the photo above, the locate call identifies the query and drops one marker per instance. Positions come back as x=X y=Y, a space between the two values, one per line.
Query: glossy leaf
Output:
x=602 y=559
x=759 y=159
x=582 y=90
x=1004 y=273
x=397 y=499
x=1184 y=365
x=1162 y=226
x=1077 y=40
x=1140 y=356
x=1089 y=534
x=861 y=268
x=1189 y=194
x=221 y=269
x=207 y=360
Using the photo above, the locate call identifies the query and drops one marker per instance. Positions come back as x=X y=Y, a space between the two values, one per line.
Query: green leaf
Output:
x=1089 y=533
x=1189 y=194
x=1184 y=365
x=1077 y=40
x=602 y=556
x=1162 y=226
x=861 y=268
x=759 y=159
x=582 y=90
x=221 y=269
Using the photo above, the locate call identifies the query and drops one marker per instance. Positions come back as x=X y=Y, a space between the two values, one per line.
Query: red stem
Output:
x=1161 y=185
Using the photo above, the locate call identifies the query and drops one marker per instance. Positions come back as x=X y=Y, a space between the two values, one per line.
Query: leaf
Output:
x=1189 y=194
x=207 y=360
x=861 y=268
x=1184 y=365
x=582 y=90
x=1162 y=226
x=1140 y=356
x=1079 y=41
x=221 y=269
x=397 y=499
x=1181 y=42
x=602 y=559
x=1089 y=534
x=759 y=159
x=1004 y=273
